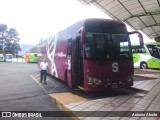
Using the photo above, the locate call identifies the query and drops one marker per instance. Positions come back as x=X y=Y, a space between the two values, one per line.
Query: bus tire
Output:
x=143 y=65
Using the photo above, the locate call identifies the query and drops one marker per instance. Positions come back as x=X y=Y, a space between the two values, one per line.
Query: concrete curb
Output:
x=64 y=99
x=66 y=110
x=146 y=77
x=148 y=70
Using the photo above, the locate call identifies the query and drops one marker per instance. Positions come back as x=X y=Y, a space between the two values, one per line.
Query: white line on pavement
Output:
x=38 y=83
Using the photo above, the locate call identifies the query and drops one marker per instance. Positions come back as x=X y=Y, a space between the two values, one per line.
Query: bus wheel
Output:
x=143 y=65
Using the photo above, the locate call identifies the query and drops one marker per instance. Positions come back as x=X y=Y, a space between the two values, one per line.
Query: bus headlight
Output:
x=90 y=79
x=93 y=80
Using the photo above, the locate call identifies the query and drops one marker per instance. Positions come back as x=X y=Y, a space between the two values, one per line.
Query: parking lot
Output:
x=20 y=92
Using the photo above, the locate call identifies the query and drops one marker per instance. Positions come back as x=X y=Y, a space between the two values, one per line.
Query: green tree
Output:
x=3 y=30
x=9 y=40
x=11 y=43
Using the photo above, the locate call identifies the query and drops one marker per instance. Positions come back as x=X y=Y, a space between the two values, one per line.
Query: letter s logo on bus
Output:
x=115 y=67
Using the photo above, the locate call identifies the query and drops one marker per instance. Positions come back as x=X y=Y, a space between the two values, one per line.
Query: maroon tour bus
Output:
x=92 y=54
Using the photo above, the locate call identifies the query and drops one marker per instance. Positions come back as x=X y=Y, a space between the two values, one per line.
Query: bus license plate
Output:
x=114 y=86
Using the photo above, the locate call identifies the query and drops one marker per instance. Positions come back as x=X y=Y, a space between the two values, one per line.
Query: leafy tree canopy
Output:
x=9 y=40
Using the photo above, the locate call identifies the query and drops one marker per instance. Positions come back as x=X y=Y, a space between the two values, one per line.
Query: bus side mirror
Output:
x=140 y=39
x=139 y=35
x=82 y=33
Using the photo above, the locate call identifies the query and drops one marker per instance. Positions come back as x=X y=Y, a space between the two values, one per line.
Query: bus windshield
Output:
x=106 y=42
x=9 y=56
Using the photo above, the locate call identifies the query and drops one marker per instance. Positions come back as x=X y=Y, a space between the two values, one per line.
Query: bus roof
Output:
x=148 y=43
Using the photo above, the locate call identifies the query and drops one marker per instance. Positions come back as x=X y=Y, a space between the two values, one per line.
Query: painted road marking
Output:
x=36 y=80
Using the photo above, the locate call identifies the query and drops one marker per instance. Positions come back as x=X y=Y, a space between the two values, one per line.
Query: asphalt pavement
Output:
x=20 y=92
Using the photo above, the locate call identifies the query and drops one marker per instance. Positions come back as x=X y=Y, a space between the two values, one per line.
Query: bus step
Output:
x=80 y=87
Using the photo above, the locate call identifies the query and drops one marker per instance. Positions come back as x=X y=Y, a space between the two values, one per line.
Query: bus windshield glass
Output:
x=138 y=49
x=9 y=56
x=105 y=42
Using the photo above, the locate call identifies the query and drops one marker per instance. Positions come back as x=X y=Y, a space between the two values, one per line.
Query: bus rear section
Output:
x=26 y=57
x=33 y=57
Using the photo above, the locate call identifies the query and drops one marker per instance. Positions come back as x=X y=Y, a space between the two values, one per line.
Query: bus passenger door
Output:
x=68 y=76
x=79 y=63
x=75 y=63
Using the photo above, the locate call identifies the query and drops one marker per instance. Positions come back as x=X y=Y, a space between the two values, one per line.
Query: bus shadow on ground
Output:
x=110 y=93
x=57 y=85
x=62 y=87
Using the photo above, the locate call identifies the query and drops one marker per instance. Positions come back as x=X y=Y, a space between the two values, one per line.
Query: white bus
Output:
x=8 y=57
x=146 y=56
x=1 y=58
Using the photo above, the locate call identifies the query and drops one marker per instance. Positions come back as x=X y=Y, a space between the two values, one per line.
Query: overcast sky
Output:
x=36 y=19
